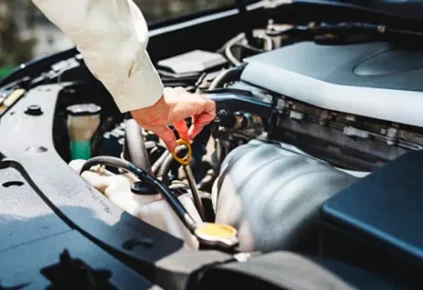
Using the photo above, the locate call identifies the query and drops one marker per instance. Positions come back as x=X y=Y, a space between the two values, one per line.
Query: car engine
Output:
x=302 y=115
x=311 y=119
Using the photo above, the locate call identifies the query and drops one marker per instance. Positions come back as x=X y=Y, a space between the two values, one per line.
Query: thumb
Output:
x=167 y=136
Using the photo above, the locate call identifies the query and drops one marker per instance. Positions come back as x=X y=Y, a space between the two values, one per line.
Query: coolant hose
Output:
x=230 y=75
x=135 y=150
x=166 y=192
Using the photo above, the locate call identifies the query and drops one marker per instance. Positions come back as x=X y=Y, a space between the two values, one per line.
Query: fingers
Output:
x=182 y=129
x=167 y=136
x=210 y=111
x=200 y=121
x=174 y=107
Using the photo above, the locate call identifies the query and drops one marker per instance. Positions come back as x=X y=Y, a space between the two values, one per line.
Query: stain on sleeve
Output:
x=131 y=69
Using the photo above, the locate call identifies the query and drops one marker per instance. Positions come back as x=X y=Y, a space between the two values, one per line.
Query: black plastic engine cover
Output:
x=377 y=221
x=65 y=261
x=289 y=271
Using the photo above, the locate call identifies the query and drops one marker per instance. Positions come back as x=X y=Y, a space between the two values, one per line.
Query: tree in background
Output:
x=13 y=49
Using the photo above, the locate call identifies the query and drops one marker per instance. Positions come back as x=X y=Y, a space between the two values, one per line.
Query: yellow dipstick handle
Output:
x=184 y=161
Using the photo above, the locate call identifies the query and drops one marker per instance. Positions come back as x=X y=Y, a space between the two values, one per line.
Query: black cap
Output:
x=142 y=188
x=83 y=109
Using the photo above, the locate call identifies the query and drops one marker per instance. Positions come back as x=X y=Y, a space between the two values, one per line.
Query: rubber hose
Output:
x=226 y=76
x=157 y=165
x=135 y=150
x=165 y=168
x=167 y=163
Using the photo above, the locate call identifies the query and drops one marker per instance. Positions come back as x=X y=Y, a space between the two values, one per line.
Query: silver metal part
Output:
x=195 y=193
x=272 y=194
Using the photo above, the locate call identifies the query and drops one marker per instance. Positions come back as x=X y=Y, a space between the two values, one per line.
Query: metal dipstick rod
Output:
x=185 y=162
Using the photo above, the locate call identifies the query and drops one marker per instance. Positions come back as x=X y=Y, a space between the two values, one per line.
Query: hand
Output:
x=174 y=107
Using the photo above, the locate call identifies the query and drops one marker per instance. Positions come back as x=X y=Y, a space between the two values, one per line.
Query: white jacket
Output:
x=112 y=36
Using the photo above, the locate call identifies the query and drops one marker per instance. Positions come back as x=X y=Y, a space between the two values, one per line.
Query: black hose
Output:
x=236 y=100
x=167 y=193
x=135 y=150
x=158 y=164
x=230 y=75
x=165 y=168
x=167 y=163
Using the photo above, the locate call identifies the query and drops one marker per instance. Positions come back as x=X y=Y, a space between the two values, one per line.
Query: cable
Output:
x=227 y=48
x=166 y=192
x=226 y=76
x=249 y=47
x=230 y=56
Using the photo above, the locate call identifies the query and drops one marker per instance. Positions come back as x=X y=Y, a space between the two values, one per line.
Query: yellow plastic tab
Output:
x=187 y=158
x=216 y=230
x=12 y=98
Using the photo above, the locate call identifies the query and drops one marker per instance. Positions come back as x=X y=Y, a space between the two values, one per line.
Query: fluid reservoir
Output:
x=143 y=202
x=83 y=121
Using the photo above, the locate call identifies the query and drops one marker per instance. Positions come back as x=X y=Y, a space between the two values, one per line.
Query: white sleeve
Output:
x=112 y=36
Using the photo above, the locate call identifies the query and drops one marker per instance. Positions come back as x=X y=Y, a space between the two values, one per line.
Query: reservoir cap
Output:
x=217 y=235
x=141 y=188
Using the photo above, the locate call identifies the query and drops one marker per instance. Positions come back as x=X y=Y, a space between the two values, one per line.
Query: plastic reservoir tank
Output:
x=148 y=206
x=83 y=121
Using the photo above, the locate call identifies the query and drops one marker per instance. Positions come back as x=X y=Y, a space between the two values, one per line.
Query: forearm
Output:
x=112 y=36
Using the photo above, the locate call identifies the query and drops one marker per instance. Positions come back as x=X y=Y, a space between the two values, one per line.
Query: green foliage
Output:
x=13 y=49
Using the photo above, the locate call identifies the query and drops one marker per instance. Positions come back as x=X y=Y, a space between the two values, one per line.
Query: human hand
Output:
x=174 y=107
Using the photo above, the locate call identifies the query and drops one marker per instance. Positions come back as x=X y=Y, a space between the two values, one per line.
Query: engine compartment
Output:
x=305 y=114
x=277 y=99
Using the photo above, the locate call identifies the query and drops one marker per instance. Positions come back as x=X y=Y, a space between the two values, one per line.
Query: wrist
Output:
x=150 y=115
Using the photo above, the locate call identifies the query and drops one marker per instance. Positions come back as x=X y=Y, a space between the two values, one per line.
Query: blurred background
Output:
x=26 y=34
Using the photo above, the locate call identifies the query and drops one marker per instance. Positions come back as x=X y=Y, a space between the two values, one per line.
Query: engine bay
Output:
x=305 y=114
x=328 y=109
